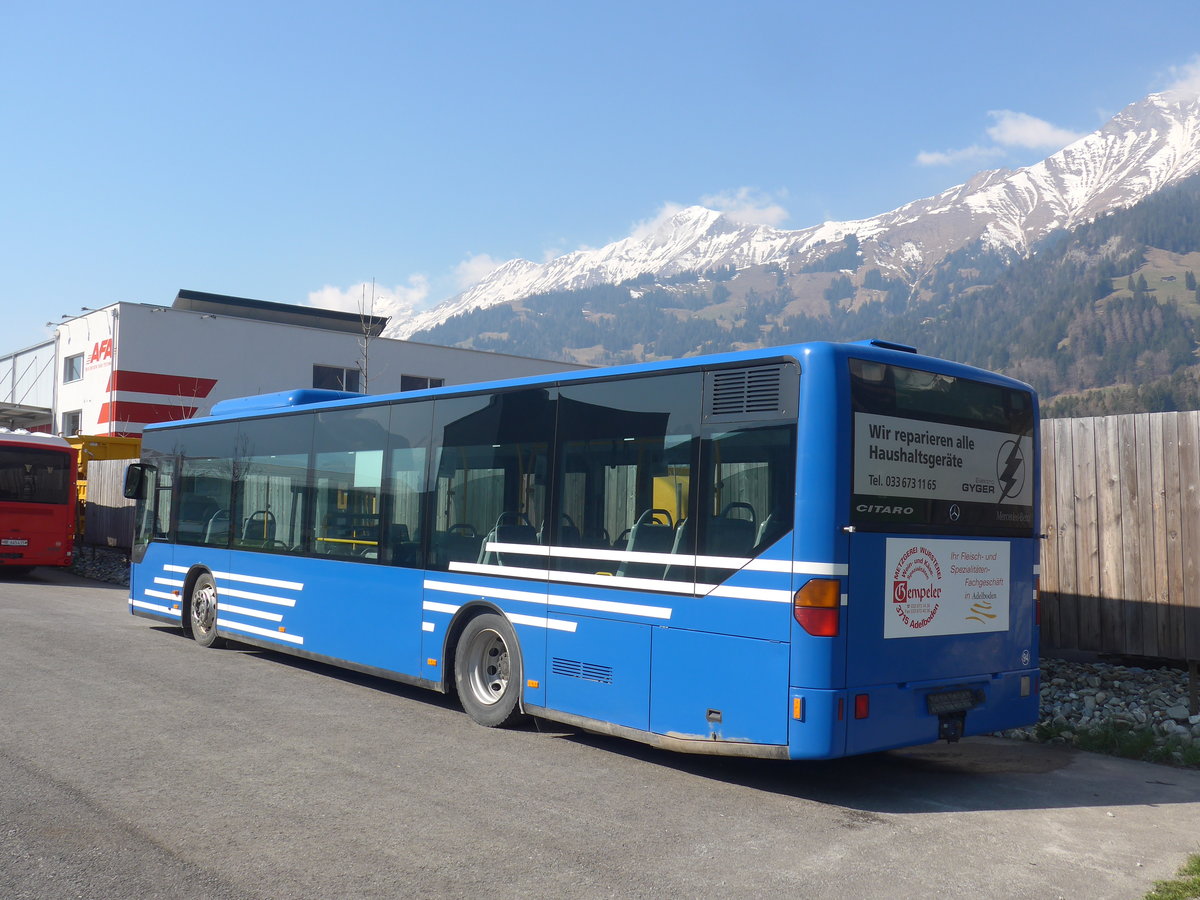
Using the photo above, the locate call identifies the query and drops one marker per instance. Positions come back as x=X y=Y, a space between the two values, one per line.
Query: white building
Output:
x=27 y=387
x=116 y=369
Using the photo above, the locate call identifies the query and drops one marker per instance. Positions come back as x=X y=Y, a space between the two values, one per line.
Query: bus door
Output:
x=154 y=586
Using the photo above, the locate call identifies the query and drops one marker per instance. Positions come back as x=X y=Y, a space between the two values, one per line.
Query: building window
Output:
x=72 y=422
x=419 y=382
x=73 y=368
x=335 y=378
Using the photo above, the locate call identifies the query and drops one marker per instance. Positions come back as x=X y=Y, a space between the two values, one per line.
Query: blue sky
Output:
x=294 y=151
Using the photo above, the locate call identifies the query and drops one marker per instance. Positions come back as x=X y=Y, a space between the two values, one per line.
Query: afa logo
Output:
x=101 y=351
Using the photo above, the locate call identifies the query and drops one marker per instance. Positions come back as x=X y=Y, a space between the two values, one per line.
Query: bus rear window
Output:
x=939 y=453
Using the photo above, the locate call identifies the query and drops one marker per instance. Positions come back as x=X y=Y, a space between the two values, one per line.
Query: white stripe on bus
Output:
x=619 y=556
x=253 y=613
x=787 y=566
x=515 y=618
x=246 y=579
x=161 y=595
x=612 y=581
x=740 y=592
x=632 y=609
x=768 y=595
x=264 y=632
x=154 y=607
x=251 y=595
x=431 y=606
x=540 y=622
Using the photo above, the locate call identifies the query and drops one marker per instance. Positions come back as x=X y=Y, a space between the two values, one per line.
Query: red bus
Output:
x=37 y=501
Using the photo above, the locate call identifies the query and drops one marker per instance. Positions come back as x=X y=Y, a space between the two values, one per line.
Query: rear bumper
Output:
x=26 y=560
x=835 y=723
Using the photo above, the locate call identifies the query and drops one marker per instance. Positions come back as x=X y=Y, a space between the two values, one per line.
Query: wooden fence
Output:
x=108 y=518
x=1121 y=514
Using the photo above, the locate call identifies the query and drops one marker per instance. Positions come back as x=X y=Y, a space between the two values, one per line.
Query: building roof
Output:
x=284 y=313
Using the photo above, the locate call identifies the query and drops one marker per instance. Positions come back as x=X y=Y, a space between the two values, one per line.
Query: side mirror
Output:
x=135 y=480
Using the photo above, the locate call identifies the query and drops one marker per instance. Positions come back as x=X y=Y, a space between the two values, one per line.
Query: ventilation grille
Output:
x=572 y=668
x=738 y=392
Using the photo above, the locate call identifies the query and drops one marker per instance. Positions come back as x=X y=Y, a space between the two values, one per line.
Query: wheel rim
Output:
x=488 y=667
x=204 y=607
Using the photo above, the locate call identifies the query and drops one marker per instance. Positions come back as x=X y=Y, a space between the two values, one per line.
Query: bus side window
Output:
x=748 y=490
x=272 y=475
x=204 y=484
x=490 y=478
x=625 y=463
x=347 y=480
x=405 y=491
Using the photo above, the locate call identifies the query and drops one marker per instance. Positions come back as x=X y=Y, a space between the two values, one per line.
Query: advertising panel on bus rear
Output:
x=940 y=587
x=945 y=453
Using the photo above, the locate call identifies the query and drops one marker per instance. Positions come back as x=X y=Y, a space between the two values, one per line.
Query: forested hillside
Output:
x=1102 y=319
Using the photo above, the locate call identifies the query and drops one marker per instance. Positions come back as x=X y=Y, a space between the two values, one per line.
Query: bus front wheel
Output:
x=488 y=671
x=202 y=610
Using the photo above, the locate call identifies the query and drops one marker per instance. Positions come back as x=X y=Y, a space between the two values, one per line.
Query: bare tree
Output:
x=366 y=317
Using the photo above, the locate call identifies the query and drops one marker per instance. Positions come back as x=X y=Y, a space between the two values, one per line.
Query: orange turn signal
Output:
x=816 y=606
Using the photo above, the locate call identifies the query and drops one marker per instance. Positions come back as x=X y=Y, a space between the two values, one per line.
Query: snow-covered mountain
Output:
x=1149 y=145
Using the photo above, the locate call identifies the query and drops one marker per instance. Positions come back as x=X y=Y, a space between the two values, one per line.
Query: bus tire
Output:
x=202 y=610
x=488 y=671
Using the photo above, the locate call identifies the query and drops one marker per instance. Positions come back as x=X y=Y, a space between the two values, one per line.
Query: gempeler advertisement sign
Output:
x=939 y=587
x=950 y=454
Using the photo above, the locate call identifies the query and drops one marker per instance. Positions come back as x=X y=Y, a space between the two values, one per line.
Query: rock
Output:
x=1132 y=697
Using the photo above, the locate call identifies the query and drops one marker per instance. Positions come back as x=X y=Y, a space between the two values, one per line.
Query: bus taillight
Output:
x=816 y=606
x=1037 y=600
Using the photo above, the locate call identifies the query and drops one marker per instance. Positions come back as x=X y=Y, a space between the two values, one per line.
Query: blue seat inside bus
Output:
x=654 y=532
x=510 y=528
x=458 y=543
x=730 y=537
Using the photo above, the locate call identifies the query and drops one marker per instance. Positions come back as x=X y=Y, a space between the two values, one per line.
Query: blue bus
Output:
x=806 y=551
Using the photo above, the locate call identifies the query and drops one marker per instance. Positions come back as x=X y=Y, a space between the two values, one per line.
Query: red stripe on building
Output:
x=182 y=386
x=143 y=413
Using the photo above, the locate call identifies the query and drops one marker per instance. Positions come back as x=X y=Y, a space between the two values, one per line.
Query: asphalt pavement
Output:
x=134 y=763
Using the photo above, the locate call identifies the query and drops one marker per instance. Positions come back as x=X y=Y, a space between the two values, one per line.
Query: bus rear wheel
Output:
x=202 y=610
x=488 y=671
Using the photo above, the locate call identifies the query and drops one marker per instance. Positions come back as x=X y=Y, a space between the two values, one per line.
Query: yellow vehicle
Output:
x=98 y=446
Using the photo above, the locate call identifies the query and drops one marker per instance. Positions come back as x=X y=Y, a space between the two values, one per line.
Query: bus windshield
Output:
x=29 y=475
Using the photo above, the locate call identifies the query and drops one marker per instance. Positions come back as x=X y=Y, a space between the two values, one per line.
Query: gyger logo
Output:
x=1010 y=469
x=916 y=587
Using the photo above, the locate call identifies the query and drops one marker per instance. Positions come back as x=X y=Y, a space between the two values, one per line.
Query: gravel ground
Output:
x=1075 y=696
x=102 y=564
x=1086 y=696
